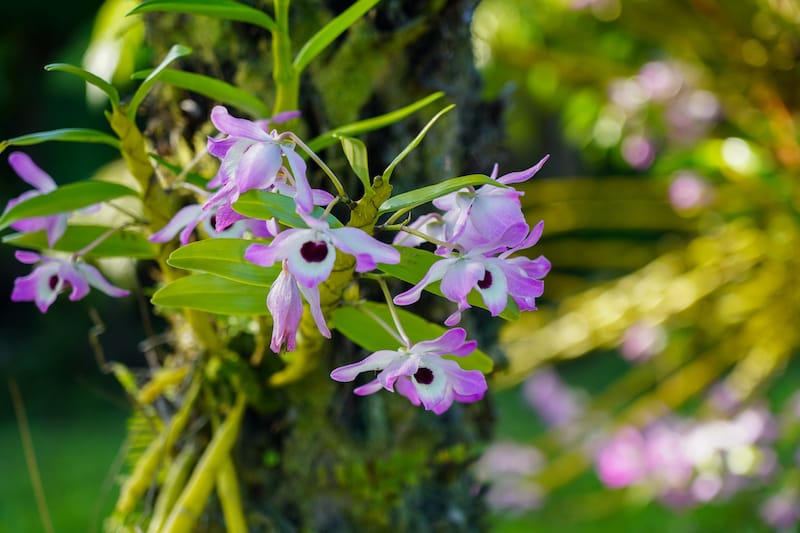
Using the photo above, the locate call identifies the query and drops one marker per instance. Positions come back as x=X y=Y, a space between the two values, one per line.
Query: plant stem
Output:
x=393 y=311
x=286 y=79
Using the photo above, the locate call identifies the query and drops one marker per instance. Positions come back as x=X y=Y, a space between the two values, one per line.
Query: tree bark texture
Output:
x=312 y=456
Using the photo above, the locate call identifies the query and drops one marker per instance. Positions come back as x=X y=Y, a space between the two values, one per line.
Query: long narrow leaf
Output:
x=88 y=77
x=356 y=154
x=411 y=199
x=212 y=88
x=370 y=124
x=358 y=325
x=213 y=294
x=177 y=51
x=120 y=244
x=81 y=135
x=222 y=9
x=223 y=258
x=387 y=174
x=328 y=33
x=264 y=205
x=65 y=198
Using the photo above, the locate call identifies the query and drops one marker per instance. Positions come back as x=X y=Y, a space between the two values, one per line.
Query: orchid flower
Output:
x=53 y=276
x=189 y=217
x=54 y=225
x=251 y=158
x=286 y=307
x=310 y=253
x=495 y=278
x=421 y=374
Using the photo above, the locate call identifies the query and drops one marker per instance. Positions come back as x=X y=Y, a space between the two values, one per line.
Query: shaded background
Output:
x=670 y=209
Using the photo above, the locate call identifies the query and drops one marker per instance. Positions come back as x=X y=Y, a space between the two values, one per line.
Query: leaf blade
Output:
x=64 y=135
x=411 y=199
x=223 y=258
x=356 y=153
x=224 y=9
x=387 y=174
x=88 y=77
x=211 y=88
x=123 y=243
x=177 y=51
x=65 y=198
x=328 y=33
x=350 y=322
x=263 y=205
x=374 y=123
x=206 y=292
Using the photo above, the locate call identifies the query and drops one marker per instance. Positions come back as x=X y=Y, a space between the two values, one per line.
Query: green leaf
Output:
x=387 y=174
x=357 y=325
x=328 y=33
x=88 y=77
x=356 y=154
x=411 y=199
x=177 y=51
x=223 y=258
x=222 y=9
x=264 y=205
x=65 y=198
x=81 y=135
x=212 y=294
x=212 y=88
x=415 y=263
x=123 y=243
x=362 y=126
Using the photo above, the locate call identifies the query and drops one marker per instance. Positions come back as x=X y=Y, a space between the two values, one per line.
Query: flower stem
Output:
x=286 y=79
x=381 y=323
x=412 y=231
x=393 y=311
x=98 y=241
x=336 y=183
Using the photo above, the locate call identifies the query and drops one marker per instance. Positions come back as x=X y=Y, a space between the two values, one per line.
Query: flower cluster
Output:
x=479 y=232
x=52 y=275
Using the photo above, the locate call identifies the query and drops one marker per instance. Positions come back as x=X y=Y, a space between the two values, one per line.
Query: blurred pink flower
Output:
x=622 y=461
x=641 y=341
x=638 y=151
x=554 y=402
x=689 y=191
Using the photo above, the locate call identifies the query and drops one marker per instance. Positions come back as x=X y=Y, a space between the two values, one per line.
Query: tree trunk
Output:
x=312 y=456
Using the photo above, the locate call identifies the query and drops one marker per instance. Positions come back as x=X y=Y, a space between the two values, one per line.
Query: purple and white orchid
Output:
x=190 y=216
x=421 y=374
x=495 y=278
x=53 y=276
x=310 y=253
x=53 y=225
x=252 y=158
x=286 y=307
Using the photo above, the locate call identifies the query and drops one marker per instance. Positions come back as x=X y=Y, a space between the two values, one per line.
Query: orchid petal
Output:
x=24 y=166
x=237 y=127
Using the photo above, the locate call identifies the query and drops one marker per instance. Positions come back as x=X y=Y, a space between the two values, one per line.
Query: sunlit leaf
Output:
x=360 y=327
x=80 y=135
x=123 y=243
x=88 y=77
x=415 y=263
x=356 y=154
x=65 y=198
x=263 y=205
x=224 y=258
x=387 y=174
x=212 y=88
x=222 y=9
x=411 y=199
x=212 y=294
x=362 y=126
x=177 y=51
x=328 y=33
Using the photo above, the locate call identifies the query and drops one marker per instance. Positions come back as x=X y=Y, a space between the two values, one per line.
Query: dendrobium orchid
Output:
x=489 y=214
x=53 y=275
x=495 y=278
x=252 y=158
x=286 y=308
x=190 y=216
x=421 y=374
x=53 y=225
x=310 y=253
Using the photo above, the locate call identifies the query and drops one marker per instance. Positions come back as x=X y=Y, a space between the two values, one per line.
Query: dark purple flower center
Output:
x=424 y=376
x=53 y=282
x=486 y=282
x=213 y=221
x=314 y=252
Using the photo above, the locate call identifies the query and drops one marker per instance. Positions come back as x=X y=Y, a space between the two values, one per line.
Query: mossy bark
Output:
x=311 y=456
